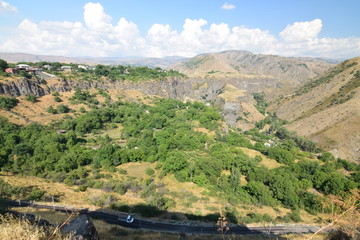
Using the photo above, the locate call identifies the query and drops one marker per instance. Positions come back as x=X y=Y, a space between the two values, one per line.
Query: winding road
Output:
x=142 y=223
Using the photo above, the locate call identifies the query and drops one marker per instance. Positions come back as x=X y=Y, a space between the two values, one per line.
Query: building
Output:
x=66 y=68
x=23 y=67
x=47 y=67
x=11 y=70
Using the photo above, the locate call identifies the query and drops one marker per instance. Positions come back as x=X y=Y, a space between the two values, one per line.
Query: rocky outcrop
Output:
x=34 y=86
x=22 y=86
x=81 y=228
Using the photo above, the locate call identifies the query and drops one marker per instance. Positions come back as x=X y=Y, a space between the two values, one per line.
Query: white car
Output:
x=129 y=219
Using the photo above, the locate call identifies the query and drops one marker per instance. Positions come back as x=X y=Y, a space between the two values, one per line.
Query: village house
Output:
x=66 y=68
x=24 y=67
x=83 y=67
x=11 y=70
x=47 y=67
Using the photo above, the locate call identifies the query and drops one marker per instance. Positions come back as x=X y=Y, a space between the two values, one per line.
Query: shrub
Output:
x=63 y=108
x=149 y=171
x=35 y=195
x=82 y=188
x=51 y=110
x=31 y=98
x=8 y=103
x=57 y=99
x=122 y=171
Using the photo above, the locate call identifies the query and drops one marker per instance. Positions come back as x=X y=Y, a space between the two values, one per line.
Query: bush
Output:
x=35 y=195
x=82 y=188
x=31 y=98
x=57 y=99
x=122 y=171
x=293 y=216
x=63 y=108
x=51 y=110
x=149 y=171
x=8 y=103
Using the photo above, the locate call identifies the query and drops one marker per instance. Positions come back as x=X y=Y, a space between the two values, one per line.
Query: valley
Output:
x=183 y=146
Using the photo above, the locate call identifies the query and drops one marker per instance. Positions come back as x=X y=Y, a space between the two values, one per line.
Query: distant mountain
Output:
x=327 y=110
x=234 y=64
x=137 y=61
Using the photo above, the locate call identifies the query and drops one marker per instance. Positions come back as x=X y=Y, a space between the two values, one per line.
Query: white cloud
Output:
x=98 y=36
x=95 y=17
x=302 y=31
x=228 y=6
x=6 y=7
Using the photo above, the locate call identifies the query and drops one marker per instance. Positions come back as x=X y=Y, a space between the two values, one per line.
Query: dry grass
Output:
x=232 y=93
x=53 y=217
x=204 y=130
x=20 y=229
x=68 y=196
x=304 y=236
x=267 y=162
x=136 y=169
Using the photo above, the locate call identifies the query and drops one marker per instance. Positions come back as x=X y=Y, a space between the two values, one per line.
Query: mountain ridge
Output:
x=235 y=63
x=140 y=61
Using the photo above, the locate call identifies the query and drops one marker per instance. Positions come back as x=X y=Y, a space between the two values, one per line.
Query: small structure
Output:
x=23 y=67
x=47 y=67
x=61 y=131
x=66 y=68
x=11 y=70
x=83 y=67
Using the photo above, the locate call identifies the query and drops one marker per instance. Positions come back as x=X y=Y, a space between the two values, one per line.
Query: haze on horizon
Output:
x=180 y=28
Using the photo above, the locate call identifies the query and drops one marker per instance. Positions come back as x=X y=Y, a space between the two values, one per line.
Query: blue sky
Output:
x=159 y=28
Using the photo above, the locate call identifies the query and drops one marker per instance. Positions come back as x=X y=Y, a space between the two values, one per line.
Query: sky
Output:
x=159 y=28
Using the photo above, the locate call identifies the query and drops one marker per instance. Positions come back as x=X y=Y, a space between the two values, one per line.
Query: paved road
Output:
x=120 y=219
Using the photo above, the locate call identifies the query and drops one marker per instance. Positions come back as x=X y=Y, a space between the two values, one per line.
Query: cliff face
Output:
x=226 y=94
x=35 y=86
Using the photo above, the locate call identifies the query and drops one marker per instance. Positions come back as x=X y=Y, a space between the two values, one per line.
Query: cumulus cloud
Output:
x=6 y=7
x=95 y=17
x=228 y=6
x=97 y=35
x=302 y=31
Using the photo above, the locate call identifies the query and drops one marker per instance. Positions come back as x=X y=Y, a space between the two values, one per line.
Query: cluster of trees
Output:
x=113 y=73
x=165 y=132
x=116 y=73
x=3 y=65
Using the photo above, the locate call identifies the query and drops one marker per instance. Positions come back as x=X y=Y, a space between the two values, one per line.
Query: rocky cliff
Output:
x=228 y=94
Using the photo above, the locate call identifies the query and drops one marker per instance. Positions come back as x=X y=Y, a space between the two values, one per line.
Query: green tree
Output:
x=63 y=108
x=8 y=102
x=175 y=161
x=3 y=65
x=31 y=98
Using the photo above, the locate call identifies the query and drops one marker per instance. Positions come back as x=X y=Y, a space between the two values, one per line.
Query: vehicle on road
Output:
x=129 y=219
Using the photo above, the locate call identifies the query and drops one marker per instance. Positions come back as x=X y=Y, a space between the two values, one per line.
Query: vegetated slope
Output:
x=248 y=65
x=327 y=110
x=182 y=143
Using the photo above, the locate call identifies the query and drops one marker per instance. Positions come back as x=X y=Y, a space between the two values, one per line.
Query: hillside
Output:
x=327 y=110
x=244 y=64
x=167 y=159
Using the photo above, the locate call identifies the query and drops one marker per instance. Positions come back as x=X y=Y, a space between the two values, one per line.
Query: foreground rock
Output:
x=81 y=228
